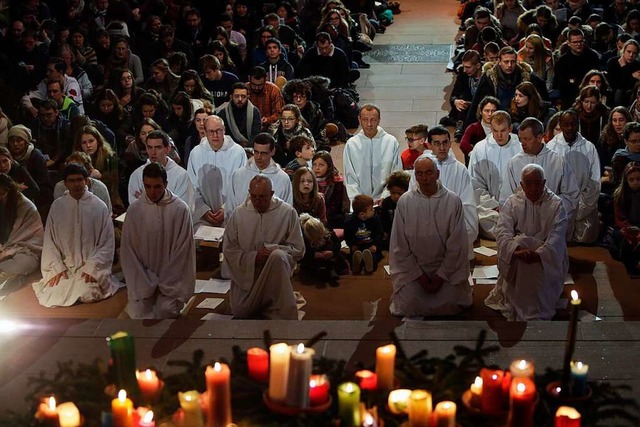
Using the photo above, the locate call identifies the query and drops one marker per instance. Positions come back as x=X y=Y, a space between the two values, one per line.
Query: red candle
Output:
x=523 y=396
x=492 y=398
x=148 y=383
x=567 y=416
x=258 y=364
x=219 y=393
x=367 y=379
x=318 y=390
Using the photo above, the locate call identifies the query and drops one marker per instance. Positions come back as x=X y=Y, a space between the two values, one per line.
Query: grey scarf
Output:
x=233 y=127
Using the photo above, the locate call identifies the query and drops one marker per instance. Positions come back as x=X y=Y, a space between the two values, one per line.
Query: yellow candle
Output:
x=399 y=401
x=218 y=381
x=476 y=392
x=349 y=404
x=385 y=366
x=69 y=415
x=445 y=414
x=190 y=404
x=279 y=371
x=420 y=408
x=122 y=410
x=522 y=369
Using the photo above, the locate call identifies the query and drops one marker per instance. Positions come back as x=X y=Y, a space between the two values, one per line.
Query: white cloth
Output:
x=437 y=249
x=240 y=179
x=557 y=172
x=20 y=254
x=97 y=187
x=584 y=161
x=178 y=183
x=71 y=89
x=530 y=291
x=455 y=176
x=157 y=254
x=267 y=293
x=487 y=167
x=78 y=239
x=368 y=162
x=210 y=172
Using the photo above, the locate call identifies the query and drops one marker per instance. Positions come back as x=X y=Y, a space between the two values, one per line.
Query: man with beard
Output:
x=265 y=96
x=242 y=119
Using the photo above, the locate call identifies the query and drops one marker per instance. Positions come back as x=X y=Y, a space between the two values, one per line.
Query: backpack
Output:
x=345 y=101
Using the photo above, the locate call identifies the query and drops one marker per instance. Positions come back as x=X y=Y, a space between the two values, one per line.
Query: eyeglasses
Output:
x=287 y=119
x=633 y=141
x=213 y=132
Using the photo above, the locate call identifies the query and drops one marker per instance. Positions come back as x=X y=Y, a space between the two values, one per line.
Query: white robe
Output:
x=267 y=293
x=78 y=239
x=429 y=237
x=240 y=179
x=97 y=188
x=210 y=172
x=177 y=179
x=530 y=291
x=368 y=162
x=557 y=172
x=455 y=176
x=20 y=254
x=487 y=167
x=584 y=161
x=158 y=257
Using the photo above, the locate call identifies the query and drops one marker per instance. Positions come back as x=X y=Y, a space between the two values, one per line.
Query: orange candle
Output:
x=492 y=398
x=47 y=412
x=523 y=396
x=445 y=414
x=219 y=391
x=148 y=383
x=122 y=410
x=567 y=416
x=258 y=364
x=385 y=366
x=420 y=407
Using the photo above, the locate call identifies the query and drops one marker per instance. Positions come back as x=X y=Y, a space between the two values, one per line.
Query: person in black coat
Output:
x=324 y=59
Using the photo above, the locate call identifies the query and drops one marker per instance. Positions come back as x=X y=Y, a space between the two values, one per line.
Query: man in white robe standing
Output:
x=262 y=243
x=584 y=161
x=558 y=174
x=487 y=167
x=370 y=156
x=157 y=250
x=158 y=148
x=211 y=164
x=532 y=251
x=261 y=164
x=77 y=254
x=429 y=265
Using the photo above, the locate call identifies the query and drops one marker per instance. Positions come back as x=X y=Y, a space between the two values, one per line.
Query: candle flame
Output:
x=494 y=377
x=579 y=365
x=148 y=374
x=386 y=349
x=217 y=367
x=478 y=382
x=312 y=383
x=558 y=390
x=574 y=295
x=522 y=364
x=52 y=403
x=300 y=348
x=446 y=405
x=520 y=387
x=368 y=419
x=122 y=396
x=188 y=397
x=148 y=417
x=348 y=388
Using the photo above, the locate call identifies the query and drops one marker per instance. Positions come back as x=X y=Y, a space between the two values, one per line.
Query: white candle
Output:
x=68 y=415
x=522 y=369
x=279 y=371
x=300 y=364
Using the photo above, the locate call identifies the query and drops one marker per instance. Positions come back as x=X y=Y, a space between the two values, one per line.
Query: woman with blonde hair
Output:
x=162 y=79
x=322 y=257
x=536 y=54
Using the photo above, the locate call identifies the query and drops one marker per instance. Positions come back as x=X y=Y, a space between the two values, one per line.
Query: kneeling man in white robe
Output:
x=428 y=249
x=262 y=243
x=77 y=254
x=158 y=250
x=532 y=251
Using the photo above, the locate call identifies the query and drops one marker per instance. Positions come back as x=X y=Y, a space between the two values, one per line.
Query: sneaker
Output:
x=356 y=262
x=368 y=260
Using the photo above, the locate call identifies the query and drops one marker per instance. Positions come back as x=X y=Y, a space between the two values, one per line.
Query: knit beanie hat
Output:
x=21 y=132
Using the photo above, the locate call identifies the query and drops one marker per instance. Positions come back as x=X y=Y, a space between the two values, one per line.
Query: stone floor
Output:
x=407 y=93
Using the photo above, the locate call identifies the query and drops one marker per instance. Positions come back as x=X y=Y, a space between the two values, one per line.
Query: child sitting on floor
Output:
x=363 y=234
x=331 y=185
x=303 y=149
x=626 y=247
x=416 y=137
x=322 y=257
x=306 y=198
x=397 y=184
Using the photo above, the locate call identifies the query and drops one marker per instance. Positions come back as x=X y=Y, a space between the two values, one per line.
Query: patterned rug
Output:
x=435 y=53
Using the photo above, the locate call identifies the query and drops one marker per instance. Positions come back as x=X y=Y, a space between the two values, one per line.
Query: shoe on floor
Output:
x=447 y=121
x=367 y=256
x=363 y=65
x=356 y=262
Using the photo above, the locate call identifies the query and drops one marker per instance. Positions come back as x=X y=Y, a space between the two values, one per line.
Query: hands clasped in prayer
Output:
x=262 y=256
x=214 y=218
x=430 y=285
x=527 y=255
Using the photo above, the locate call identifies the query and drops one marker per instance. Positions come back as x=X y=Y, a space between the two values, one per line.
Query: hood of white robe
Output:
x=274 y=204
x=272 y=169
x=168 y=198
x=546 y=196
x=227 y=143
x=381 y=133
x=440 y=192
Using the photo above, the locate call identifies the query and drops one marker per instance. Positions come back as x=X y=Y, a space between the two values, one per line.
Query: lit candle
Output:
x=476 y=392
x=148 y=383
x=579 y=372
x=349 y=404
x=122 y=410
x=398 y=401
x=369 y=421
x=279 y=371
x=522 y=368
x=492 y=398
x=190 y=404
x=567 y=416
x=445 y=413
x=523 y=396
x=219 y=392
x=69 y=415
x=300 y=362
x=47 y=412
x=258 y=364
x=318 y=390
x=367 y=379
x=420 y=407
x=123 y=361
x=571 y=343
x=385 y=366
x=146 y=418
